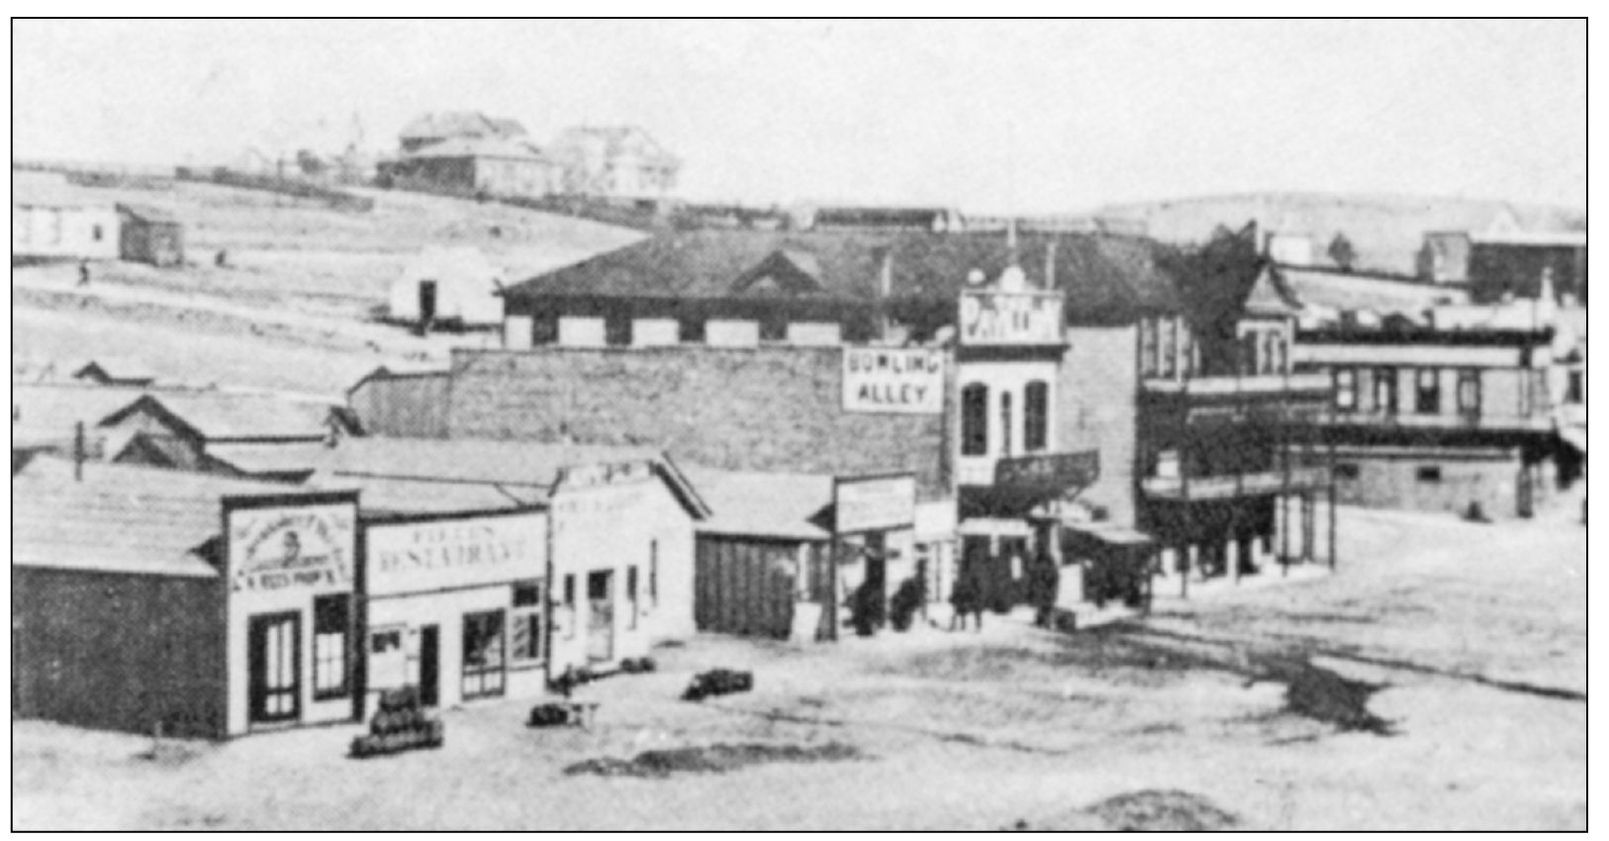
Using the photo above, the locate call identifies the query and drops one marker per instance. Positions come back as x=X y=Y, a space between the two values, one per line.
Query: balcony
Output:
x=1229 y=487
x=1262 y=384
x=1540 y=422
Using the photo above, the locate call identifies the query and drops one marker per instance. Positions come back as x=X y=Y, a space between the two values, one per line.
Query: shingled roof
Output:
x=1105 y=277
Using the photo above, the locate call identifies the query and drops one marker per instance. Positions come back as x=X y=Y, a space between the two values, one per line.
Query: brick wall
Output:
x=766 y=408
x=1098 y=395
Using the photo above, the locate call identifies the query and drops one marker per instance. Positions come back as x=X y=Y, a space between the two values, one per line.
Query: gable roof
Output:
x=228 y=415
x=522 y=471
x=785 y=506
x=478 y=147
x=119 y=369
x=50 y=411
x=1105 y=277
x=147 y=214
x=120 y=518
x=1307 y=287
x=459 y=124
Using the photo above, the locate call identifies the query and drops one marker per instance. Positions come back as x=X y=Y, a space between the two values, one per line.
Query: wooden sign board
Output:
x=874 y=503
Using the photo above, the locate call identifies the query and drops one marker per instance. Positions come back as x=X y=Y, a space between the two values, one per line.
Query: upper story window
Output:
x=1385 y=390
x=1036 y=416
x=1469 y=391
x=1169 y=346
x=1575 y=387
x=1346 y=389
x=1005 y=424
x=1148 y=346
x=975 y=420
x=1427 y=391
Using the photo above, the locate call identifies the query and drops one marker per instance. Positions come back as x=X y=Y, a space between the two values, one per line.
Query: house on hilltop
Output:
x=435 y=127
x=614 y=162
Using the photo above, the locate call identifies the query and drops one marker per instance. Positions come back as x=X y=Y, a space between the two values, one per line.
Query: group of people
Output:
x=971 y=594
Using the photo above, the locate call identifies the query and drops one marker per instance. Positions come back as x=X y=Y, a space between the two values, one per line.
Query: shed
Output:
x=150 y=235
x=452 y=286
x=117 y=372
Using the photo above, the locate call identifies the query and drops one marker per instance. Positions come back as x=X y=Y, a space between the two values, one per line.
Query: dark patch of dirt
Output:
x=1150 y=810
x=1323 y=695
x=711 y=759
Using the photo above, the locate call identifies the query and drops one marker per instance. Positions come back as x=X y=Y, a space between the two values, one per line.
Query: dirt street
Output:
x=1436 y=681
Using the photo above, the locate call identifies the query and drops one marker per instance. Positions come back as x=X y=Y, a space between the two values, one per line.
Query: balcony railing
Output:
x=1252 y=385
x=1228 y=487
x=1539 y=422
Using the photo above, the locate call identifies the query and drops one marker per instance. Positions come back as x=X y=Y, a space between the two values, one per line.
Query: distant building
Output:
x=429 y=129
x=115 y=372
x=74 y=231
x=493 y=167
x=613 y=162
x=1509 y=264
x=448 y=286
x=150 y=235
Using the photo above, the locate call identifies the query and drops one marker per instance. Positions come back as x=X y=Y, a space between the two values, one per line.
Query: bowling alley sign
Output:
x=905 y=381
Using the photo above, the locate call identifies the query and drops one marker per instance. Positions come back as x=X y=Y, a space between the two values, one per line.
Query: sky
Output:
x=996 y=116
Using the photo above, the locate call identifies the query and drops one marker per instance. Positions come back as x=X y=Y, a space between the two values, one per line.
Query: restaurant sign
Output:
x=992 y=317
x=874 y=503
x=416 y=557
x=306 y=547
x=893 y=381
x=1052 y=474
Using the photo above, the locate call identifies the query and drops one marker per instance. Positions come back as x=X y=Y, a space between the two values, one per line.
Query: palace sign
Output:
x=991 y=317
x=874 y=503
x=893 y=381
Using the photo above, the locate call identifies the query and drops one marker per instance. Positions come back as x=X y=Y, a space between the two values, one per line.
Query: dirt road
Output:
x=1465 y=642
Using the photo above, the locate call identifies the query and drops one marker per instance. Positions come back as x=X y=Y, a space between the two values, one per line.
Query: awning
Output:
x=1112 y=535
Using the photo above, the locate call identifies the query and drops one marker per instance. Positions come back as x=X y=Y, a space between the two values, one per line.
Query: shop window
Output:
x=1469 y=392
x=975 y=420
x=483 y=654
x=1427 y=391
x=1346 y=389
x=1036 y=416
x=653 y=574
x=332 y=622
x=526 y=630
x=1428 y=473
x=631 y=596
x=567 y=615
x=1347 y=471
x=1385 y=390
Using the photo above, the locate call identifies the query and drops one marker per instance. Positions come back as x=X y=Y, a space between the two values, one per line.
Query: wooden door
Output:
x=275 y=667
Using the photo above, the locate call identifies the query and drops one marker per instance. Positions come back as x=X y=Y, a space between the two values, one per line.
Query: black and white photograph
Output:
x=816 y=424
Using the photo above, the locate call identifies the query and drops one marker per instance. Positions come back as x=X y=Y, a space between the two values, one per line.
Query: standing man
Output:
x=83 y=272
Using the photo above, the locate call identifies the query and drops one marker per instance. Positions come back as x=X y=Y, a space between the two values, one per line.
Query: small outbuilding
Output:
x=150 y=235
x=453 y=287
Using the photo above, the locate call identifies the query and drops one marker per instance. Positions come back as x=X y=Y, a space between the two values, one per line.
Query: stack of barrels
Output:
x=401 y=723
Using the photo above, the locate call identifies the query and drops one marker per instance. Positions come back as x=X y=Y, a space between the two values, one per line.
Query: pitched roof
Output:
x=120 y=518
x=478 y=147
x=215 y=415
x=119 y=368
x=50 y=411
x=1334 y=290
x=269 y=458
x=408 y=469
x=1104 y=276
x=459 y=124
x=788 y=506
x=147 y=213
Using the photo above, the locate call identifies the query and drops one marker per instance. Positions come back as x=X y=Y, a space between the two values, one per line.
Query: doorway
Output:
x=430 y=665
x=427 y=301
x=601 y=616
x=483 y=654
x=275 y=681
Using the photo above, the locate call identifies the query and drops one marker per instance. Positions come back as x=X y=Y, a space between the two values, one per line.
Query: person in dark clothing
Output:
x=1043 y=585
x=83 y=272
x=966 y=599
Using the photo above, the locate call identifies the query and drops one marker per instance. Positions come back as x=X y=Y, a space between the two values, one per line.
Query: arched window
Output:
x=975 y=420
x=1005 y=424
x=1036 y=416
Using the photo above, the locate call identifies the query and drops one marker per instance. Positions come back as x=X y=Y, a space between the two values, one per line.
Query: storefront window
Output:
x=525 y=623
x=483 y=654
x=332 y=621
x=1385 y=390
x=1469 y=392
x=975 y=420
x=1036 y=416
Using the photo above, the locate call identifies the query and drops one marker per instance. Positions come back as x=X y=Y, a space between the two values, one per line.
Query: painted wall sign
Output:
x=293 y=546
x=1054 y=473
x=993 y=317
x=893 y=381
x=416 y=557
x=874 y=503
